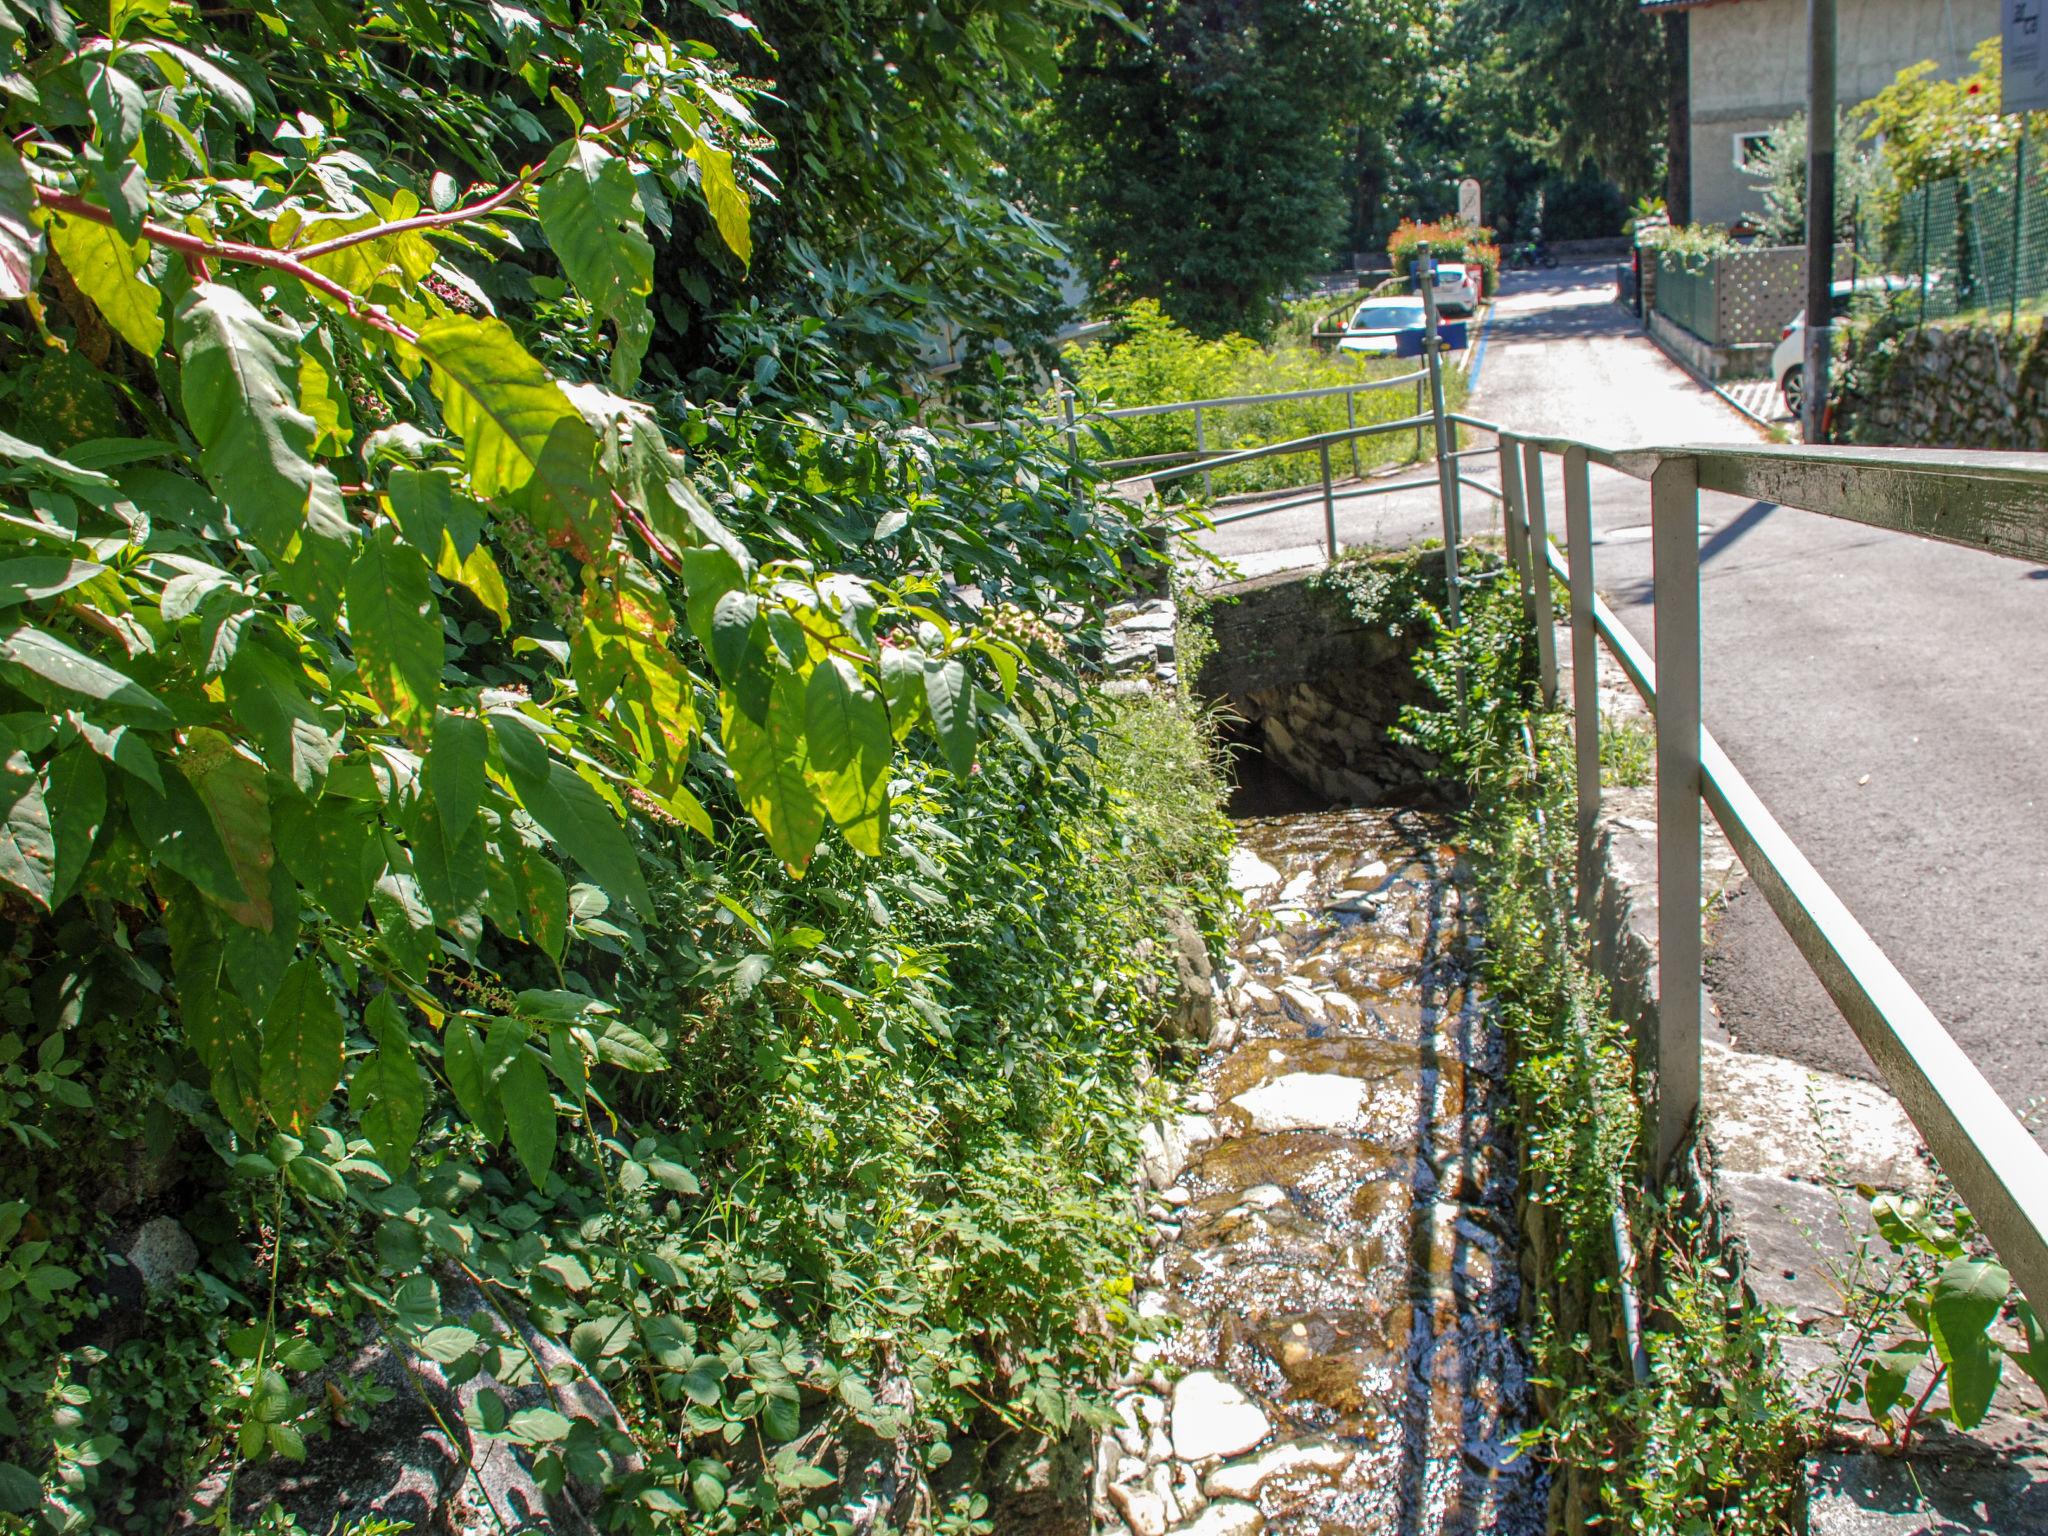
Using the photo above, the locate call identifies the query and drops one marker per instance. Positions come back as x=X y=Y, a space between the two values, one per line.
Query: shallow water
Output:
x=1346 y=1254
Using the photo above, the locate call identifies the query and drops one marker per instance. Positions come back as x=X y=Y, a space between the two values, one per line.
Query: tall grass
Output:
x=1155 y=362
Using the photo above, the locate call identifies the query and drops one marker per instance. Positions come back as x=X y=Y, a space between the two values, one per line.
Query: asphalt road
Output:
x=1887 y=696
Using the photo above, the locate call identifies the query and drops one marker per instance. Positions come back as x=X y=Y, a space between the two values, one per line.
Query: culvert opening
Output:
x=1312 y=673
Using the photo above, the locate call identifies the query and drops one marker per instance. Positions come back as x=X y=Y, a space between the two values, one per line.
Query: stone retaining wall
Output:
x=1947 y=387
x=1321 y=685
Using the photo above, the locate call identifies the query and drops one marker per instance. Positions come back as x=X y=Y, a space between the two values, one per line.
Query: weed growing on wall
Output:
x=1711 y=1441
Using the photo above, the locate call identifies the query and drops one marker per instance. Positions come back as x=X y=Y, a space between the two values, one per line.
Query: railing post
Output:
x=1675 y=565
x=1202 y=448
x=1578 y=536
x=1539 y=571
x=1329 y=505
x=1351 y=421
x=1446 y=440
x=1067 y=411
x=1511 y=526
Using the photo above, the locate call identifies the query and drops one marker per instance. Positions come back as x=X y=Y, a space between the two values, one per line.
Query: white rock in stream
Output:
x=1263 y=1197
x=1226 y=1518
x=1243 y=1479
x=1143 y=1510
x=1310 y=1003
x=1304 y=1101
x=1249 y=872
x=1212 y=1417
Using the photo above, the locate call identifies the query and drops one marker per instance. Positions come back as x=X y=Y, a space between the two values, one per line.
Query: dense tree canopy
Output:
x=540 y=817
x=1196 y=149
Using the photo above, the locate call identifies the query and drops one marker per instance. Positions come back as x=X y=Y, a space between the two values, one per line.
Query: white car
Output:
x=1457 y=288
x=1378 y=323
x=1788 y=358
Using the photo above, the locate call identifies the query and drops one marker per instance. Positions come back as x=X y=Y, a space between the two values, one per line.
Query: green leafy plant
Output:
x=1933 y=1307
x=1149 y=360
x=543 y=830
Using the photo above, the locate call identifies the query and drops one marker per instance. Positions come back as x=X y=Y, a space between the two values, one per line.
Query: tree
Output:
x=1861 y=181
x=890 y=203
x=1595 y=78
x=1196 y=148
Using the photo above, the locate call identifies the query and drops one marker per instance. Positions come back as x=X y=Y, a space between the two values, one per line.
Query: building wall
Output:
x=1749 y=73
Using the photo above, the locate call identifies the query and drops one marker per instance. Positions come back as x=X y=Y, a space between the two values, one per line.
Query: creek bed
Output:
x=1339 y=1244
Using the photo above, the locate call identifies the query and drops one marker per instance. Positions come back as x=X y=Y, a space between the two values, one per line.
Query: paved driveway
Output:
x=1887 y=696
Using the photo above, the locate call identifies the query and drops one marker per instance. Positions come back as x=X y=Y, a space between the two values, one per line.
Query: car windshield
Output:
x=1450 y=272
x=1385 y=315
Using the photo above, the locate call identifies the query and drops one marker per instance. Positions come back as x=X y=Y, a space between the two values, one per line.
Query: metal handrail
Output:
x=1222 y=402
x=1987 y=501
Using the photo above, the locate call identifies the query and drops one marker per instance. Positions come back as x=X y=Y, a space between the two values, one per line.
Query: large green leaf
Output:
x=76 y=798
x=50 y=669
x=21 y=248
x=455 y=769
x=28 y=852
x=239 y=382
x=237 y=801
x=298 y=738
x=111 y=272
x=768 y=762
x=950 y=698
x=496 y=397
x=529 y=1112
x=394 y=624
x=33 y=577
x=469 y=1075
x=590 y=211
x=723 y=197
x=573 y=814
x=1968 y=1294
x=302 y=1043
x=847 y=729
x=386 y=1089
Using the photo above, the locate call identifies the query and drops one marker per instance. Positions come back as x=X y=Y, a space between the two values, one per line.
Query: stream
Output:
x=1338 y=1245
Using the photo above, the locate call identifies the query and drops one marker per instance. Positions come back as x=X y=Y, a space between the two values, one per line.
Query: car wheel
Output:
x=1793 y=387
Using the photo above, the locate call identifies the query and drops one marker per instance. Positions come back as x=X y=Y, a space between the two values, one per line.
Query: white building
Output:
x=1747 y=71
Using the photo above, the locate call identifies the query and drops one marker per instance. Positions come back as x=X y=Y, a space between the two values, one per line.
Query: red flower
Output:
x=1974 y=89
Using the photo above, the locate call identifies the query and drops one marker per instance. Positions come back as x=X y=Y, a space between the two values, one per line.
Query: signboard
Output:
x=2025 y=63
x=1408 y=343
x=1468 y=189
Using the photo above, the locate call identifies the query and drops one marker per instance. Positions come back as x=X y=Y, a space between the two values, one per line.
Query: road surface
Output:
x=1887 y=696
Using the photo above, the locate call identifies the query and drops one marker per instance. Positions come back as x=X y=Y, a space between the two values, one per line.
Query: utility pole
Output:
x=1820 y=216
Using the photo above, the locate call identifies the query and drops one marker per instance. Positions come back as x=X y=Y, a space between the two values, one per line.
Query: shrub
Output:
x=1155 y=361
x=1448 y=240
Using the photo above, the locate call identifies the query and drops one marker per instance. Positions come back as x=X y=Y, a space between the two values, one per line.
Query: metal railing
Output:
x=1995 y=502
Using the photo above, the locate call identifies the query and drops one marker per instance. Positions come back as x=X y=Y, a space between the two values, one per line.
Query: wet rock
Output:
x=1143 y=1510
x=160 y=1253
x=1243 y=1479
x=1304 y=1101
x=1213 y=1417
x=1226 y=1517
x=1250 y=873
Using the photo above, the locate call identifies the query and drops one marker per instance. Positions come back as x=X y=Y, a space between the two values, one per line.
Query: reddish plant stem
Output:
x=193 y=246
x=475 y=210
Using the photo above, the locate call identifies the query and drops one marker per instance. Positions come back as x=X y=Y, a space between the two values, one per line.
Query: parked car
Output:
x=1788 y=358
x=1457 y=288
x=1377 y=324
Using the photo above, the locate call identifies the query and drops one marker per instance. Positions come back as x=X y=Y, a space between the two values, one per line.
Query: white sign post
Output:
x=1468 y=189
x=2024 y=69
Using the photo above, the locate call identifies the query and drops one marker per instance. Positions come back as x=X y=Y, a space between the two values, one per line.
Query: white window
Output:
x=1749 y=151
